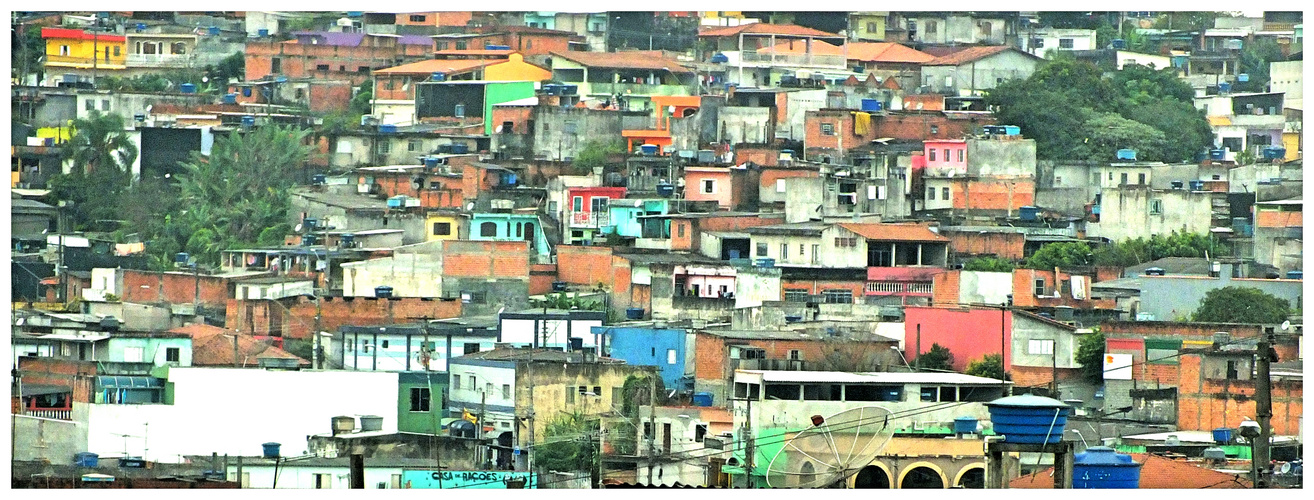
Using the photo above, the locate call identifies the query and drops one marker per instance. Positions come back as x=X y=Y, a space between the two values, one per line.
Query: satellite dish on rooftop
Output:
x=297 y=229
x=1286 y=325
x=833 y=449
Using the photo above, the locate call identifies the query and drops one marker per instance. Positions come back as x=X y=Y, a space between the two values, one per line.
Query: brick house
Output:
x=718 y=353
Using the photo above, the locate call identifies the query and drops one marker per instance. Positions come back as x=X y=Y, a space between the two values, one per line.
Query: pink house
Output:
x=944 y=155
x=970 y=333
x=708 y=184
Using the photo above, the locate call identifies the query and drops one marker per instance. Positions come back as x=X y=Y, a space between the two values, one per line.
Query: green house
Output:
x=421 y=397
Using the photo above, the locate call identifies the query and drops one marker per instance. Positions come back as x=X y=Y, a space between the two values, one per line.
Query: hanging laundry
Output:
x=861 y=124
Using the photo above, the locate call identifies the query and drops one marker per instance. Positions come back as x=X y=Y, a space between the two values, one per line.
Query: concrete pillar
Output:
x=919 y=254
x=894 y=255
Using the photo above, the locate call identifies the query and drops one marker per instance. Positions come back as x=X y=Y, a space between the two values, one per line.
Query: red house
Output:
x=969 y=332
x=587 y=210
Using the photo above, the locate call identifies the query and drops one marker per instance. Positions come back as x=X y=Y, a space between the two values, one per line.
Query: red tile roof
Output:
x=857 y=51
x=213 y=346
x=1157 y=473
x=971 y=54
x=894 y=232
x=765 y=29
x=449 y=66
x=638 y=59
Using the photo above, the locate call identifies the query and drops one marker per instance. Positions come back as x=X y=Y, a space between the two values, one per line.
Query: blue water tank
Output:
x=181 y=257
x=230 y=98
x=246 y=91
x=1217 y=154
x=310 y=239
x=648 y=149
x=665 y=189
x=1100 y=467
x=1127 y=154
x=383 y=292
x=248 y=121
x=1274 y=152
x=871 y=105
x=187 y=88
x=141 y=27
x=793 y=318
x=86 y=459
x=559 y=286
x=1029 y=419
x=271 y=449
x=1224 y=87
x=1196 y=185
x=964 y=425
x=497 y=47
x=396 y=201
x=438 y=77
x=766 y=262
x=1222 y=435
x=319 y=179
x=569 y=89
x=719 y=58
x=348 y=239
x=1295 y=275
x=702 y=399
x=1012 y=130
x=634 y=313
x=1243 y=77
x=262 y=32
x=387 y=129
x=1119 y=44
x=460 y=148
x=310 y=223
x=213 y=30
x=1029 y=213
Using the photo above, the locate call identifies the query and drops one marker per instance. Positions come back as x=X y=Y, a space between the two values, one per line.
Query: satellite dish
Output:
x=1284 y=468
x=297 y=229
x=1286 y=325
x=833 y=449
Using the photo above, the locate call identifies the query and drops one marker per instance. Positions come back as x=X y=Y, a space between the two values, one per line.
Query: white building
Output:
x=406 y=348
x=1041 y=42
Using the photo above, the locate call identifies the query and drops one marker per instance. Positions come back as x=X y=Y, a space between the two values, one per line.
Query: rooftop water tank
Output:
x=187 y=88
x=309 y=239
x=460 y=148
x=1100 y=467
x=1029 y=212
x=438 y=77
x=1295 y=275
x=213 y=30
x=648 y=149
x=248 y=121
x=1119 y=43
x=387 y=129
x=719 y=58
x=371 y=423
x=1274 y=152
x=1127 y=154
x=348 y=239
x=1222 y=435
x=1196 y=185
x=871 y=105
x=1224 y=87
x=702 y=399
x=964 y=425
x=1012 y=130
x=230 y=98
x=569 y=89
x=1215 y=453
x=343 y=424
x=141 y=27
x=1029 y=419
x=665 y=189
x=1217 y=154
x=181 y=257
x=382 y=292
x=262 y=32
x=271 y=449
x=706 y=156
x=634 y=313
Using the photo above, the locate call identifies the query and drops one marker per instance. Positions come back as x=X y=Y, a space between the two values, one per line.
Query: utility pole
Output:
x=479 y=427
x=1263 y=408
x=235 y=355
x=917 y=361
x=95 y=45
x=328 y=261
x=652 y=426
x=749 y=448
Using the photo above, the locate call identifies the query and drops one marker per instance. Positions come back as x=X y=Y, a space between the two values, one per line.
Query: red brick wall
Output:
x=992 y=194
x=769 y=176
x=80 y=375
x=1035 y=376
x=150 y=287
x=923 y=102
x=299 y=60
x=536 y=44
x=330 y=96
x=519 y=117
x=815 y=287
x=295 y=318
x=815 y=142
x=945 y=288
x=486 y=259
x=1204 y=405
x=1274 y=218
x=582 y=265
x=710 y=352
x=738 y=223
x=682 y=235
x=917 y=126
x=1004 y=245
x=541 y=277
x=767 y=157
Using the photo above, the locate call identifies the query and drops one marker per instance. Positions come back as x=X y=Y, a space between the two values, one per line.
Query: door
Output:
x=666 y=438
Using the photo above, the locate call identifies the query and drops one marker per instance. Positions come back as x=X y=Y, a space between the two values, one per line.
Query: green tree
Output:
x=989 y=264
x=1106 y=133
x=567 y=444
x=937 y=358
x=1235 y=304
x=1090 y=355
x=27 y=49
x=1187 y=126
x=594 y=153
x=989 y=366
x=1066 y=254
x=230 y=69
x=101 y=154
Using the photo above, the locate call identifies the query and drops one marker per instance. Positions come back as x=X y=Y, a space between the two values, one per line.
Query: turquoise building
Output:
x=510 y=227
x=626 y=215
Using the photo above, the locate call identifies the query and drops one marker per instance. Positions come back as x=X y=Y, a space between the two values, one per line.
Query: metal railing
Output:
x=808 y=60
x=589 y=219
x=54 y=414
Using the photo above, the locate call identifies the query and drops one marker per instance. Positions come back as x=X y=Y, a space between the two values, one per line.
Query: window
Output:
x=784 y=251
x=837 y=296
x=796 y=295
x=461 y=45
x=275 y=65
x=363 y=69
x=944 y=193
x=960 y=156
x=816 y=253
x=385 y=147
x=761 y=249
x=780 y=185
x=827 y=129
x=647 y=430
x=1040 y=287
x=441 y=45
x=930 y=193
x=177 y=49
x=414 y=145
x=321 y=67
x=342 y=67
x=63 y=50
x=871 y=27
x=383 y=344
x=132 y=354
x=800 y=250
x=1038 y=43
x=679 y=230
x=474 y=383
x=420 y=399
x=1162 y=352
x=470 y=348
x=1065 y=43
x=172 y=354
x=935 y=129
x=932 y=152
x=89 y=105
x=795 y=355
x=930 y=27
x=456 y=382
x=946 y=154
x=570 y=395
x=417 y=18
x=583 y=390
x=597 y=391
x=459 y=111
x=1156 y=207
x=670 y=356
x=442 y=228
x=1040 y=347
x=1123 y=178
x=322 y=481
x=104 y=105
x=488 y=229
x=700 y=431
x=488 y=387
x=577 y=204
x=1140 y=179
x=929 y=394
x=709 y=186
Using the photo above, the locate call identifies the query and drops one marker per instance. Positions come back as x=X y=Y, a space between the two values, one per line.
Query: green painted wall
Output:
x=421 y=422
x=500 y=92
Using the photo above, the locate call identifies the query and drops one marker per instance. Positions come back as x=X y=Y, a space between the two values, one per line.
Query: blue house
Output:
x=664 y=348
x=626 y=215
x=510 y=227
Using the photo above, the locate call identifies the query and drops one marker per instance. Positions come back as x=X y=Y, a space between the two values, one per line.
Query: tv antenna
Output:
x=833 y=449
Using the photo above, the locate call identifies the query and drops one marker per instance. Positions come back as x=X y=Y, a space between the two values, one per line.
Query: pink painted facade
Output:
x=946 y=155
x=901 y=281
x=708 y=184
x=588 y=206
x=969 y=333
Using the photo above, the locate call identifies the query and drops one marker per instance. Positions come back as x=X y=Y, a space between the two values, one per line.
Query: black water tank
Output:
x=383 y=292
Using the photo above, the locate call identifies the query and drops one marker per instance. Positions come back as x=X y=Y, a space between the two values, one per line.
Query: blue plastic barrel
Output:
x=460 y=148
x=213 y=30
x=870 y=105
x=230 y=98
x=648 y=149
x=665 y=189
x=86 y=459
x=271 y=449
x=1029 y=419
x=964 y=425
x=1295 y=275
x=187 y=88
x=702 y=399
x=248 y=121
x=1217 y=154
x=1100 y=467
x=1222 y=435
x=262 y=32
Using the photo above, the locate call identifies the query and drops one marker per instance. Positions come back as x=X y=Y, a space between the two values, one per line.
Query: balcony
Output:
x=57 y=414
x=755 y=58
x=161 y=60
x=768 y=364
x=693 y=302
x=84 y=62
x=639 y=89
x=589 y=219
x=897 y=288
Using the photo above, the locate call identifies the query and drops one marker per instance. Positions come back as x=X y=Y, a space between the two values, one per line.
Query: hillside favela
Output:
x=622 y=249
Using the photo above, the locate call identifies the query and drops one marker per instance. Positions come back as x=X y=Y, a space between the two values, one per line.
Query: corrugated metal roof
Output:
x=871 y=377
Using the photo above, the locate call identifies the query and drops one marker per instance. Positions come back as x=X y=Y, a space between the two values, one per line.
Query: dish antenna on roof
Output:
x=832 y=449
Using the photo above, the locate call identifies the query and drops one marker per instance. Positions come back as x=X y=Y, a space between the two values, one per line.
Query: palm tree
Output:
x=98 y=142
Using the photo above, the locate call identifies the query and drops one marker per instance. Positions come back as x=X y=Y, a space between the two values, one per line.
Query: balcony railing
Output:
x=876 y=287
x=752 y=57
x=54 y=414
x=589 y=219
x=641 y=89
x=161 y=60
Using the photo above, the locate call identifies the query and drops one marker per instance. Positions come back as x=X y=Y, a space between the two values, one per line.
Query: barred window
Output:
x=837 y=296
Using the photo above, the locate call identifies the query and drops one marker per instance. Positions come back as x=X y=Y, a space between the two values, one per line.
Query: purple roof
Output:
x=416 y=40
x=354 y=39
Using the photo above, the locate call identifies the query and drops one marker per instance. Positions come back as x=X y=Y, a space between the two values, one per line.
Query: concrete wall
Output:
x=804 y=196
x=1179 y=296
x=1125 y=213
x=1001 y=157
x=414 y=272
x=227 y=401
x=797 y=104
x=50 y=439
x=975 y=77
x=737 y=125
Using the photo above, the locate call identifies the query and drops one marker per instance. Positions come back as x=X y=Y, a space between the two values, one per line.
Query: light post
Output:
x=1249 y=429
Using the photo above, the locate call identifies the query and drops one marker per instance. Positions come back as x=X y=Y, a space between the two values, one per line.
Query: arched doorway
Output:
x=807 y=474
x=504 y=445
x=872 y=477
x=922 y=477
x=973 y=478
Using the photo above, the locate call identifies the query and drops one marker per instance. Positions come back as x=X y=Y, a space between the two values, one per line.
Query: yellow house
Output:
x=867 y=26
x=442 y=227
x=1291 y=141
x=74 y=49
